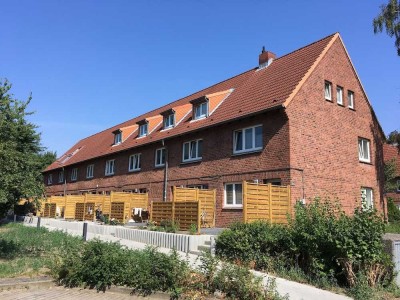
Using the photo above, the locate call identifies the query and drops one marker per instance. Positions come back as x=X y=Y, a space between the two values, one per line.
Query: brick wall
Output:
x=324 y=137
x=218 y=164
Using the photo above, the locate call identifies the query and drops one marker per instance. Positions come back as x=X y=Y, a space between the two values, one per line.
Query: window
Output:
x=367 y=200
x=350 y=99
x=50 y=179
x=117 y=138
x=74 y=174
x=398 y=185
x=363 y=150
x=247 y=139
x=233 y=195
x=201 y=110
x=110 y=167
x=169 y=121
x=273 y=181
x=160 y=157
x=143 y=130
x=89 y=171
x=339 y=95
x=192 y=150
x=61 y=176
x=198 y=186
x=328 y=90
x=134 y=162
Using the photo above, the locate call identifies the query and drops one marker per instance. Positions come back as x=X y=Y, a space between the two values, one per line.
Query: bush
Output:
x=328 y=245
x=393 y=211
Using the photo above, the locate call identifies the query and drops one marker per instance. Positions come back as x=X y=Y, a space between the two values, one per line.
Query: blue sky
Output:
x=92 y=64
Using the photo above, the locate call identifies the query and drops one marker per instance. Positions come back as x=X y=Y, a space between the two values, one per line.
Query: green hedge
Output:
x=322 y=241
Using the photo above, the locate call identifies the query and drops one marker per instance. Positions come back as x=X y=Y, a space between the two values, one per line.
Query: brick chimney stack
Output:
x=265 y=58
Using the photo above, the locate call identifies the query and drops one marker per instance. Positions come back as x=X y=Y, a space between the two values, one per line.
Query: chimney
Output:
x=265 y=58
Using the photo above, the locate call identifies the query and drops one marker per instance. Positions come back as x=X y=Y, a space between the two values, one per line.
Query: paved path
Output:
x=61 y=293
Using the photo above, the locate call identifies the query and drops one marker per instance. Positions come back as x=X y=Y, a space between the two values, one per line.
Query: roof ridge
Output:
x=308 y=45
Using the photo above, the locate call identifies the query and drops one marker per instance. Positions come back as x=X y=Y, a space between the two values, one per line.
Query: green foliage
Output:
x=393 y=211
x=165 y=226
x=390 y=173
x=193 y=229
x=26 y=250
x=389 y=18
x=394 y=138
x=21 y=157
x=327 y=245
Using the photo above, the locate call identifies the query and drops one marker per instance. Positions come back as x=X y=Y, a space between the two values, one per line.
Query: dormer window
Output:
x=143 y=128
x=117 y=138
x=200 y=108
x=169 y=118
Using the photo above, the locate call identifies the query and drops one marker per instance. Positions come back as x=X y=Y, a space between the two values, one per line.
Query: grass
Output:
x=393 y=227
x=27 y=251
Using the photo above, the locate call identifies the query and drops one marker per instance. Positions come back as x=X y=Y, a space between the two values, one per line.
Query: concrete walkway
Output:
x=61 y=293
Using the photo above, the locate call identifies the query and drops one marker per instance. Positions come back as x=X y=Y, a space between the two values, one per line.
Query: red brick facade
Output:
x=308 y=142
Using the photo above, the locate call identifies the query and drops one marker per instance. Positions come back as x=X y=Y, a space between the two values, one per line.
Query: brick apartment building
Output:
x=392 y=153
x=302 y=120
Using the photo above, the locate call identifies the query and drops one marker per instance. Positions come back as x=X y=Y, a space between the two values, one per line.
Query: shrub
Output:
x=393 y=211
x=329 y=246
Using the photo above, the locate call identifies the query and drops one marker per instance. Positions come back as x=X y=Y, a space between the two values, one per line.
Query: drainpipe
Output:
x=165 y=173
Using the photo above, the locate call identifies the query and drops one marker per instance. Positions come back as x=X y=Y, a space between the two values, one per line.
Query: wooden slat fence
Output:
x=67 y=205
x=189 y=206
x=265 y=202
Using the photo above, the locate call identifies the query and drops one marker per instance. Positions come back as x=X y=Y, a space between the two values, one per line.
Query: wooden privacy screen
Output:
x=265 y=202
x=50 y=210
x=189 y=206
x=67 y=205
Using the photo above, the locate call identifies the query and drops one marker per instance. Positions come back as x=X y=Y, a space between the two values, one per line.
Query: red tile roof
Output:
x=392 y=152
x=248 y=93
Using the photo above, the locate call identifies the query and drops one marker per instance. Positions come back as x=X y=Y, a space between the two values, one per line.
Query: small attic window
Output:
x=200 y=108
x=143 y=129
x=117 y=138
x=169 y=118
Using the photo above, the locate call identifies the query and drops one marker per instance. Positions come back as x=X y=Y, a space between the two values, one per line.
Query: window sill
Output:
x=247 y=152
x=109 y=174
x=341 y=104
x=330 y=100
x=134 y=170
x=159 y=166
x=365 y=162
x=352 y=108
x=233 y=207
x=190 y=161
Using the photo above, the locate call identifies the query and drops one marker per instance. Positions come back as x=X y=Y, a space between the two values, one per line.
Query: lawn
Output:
x=27 y=251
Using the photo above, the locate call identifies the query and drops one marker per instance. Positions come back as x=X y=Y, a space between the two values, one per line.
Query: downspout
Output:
x=165 y=173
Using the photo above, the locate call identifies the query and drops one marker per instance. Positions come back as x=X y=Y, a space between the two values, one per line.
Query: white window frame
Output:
x=364 y=156
x=339 y=95
x=193 y=148
x=50 y=179
x=328 y=90
x=235 y=203
x=74 y=174
x=198 y=110
x=169 y=121
x=118 y=138
x=158 y=159
x=243 y=137
x=143 y=129
x=61 y=177
x=365 y=192
x=350 y=99
x=110 y=167
x=90 y=171
x=134 y=163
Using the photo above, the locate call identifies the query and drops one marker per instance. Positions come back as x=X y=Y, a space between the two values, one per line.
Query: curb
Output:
x=26 y=283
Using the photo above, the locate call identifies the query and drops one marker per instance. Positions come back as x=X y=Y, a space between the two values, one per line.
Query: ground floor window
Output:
x=198 y=186
x=367 y=200
x=273 y=181
x=233 y=197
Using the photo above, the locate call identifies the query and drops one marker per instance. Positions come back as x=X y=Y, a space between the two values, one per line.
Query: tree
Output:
x=389 y=18
x=21 y=155
x=394 y=138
